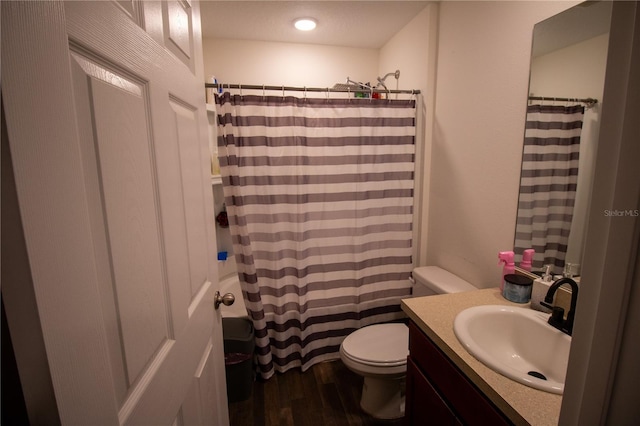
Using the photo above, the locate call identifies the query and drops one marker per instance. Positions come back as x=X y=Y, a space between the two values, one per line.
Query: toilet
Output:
x=379 y=352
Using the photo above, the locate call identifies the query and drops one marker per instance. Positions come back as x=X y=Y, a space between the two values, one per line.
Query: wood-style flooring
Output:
x=328 y=394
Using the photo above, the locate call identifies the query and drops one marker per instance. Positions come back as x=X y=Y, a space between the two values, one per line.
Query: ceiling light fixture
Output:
x=305 y=24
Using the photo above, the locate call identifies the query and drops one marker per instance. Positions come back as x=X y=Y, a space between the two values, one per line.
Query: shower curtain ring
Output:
x=263 y=95
x=305 y=93
x=283 y=90
x=240 y=87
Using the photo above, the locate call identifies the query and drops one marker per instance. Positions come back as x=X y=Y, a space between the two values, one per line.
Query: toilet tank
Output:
x=430 y=280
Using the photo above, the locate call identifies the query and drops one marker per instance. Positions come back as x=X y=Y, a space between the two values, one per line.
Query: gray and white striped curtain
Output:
x=548 y=182
x=319 y=194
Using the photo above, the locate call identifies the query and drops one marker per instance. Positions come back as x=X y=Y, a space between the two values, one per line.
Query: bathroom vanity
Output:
x=447 y=385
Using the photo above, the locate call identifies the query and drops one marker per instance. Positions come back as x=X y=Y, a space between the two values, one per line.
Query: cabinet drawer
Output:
x=424 y=405
x=470 y=405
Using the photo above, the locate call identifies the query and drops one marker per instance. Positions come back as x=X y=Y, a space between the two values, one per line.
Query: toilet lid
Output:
x=379 y=344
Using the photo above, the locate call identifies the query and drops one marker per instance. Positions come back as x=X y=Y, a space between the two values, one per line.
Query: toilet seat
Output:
x=379 y=345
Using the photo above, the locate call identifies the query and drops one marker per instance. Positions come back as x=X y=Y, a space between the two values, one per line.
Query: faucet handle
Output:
x=557 y=317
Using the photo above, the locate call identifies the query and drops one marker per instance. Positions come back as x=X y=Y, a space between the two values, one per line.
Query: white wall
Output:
x=576 y=71
x=413 y=51
x=481 y=94
x=292 y=64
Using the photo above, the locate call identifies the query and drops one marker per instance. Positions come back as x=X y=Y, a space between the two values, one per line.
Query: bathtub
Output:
x=231 y=284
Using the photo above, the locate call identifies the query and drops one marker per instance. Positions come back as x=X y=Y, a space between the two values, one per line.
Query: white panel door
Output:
x=108 y=133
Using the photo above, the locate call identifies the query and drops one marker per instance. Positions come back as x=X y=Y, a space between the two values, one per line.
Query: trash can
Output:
x=238 y=357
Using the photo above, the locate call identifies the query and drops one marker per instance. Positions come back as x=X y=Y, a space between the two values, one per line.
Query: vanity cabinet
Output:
x=438 y=393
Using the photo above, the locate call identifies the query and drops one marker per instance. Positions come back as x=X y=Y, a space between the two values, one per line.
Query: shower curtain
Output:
x=548 y=182
x=319 y=195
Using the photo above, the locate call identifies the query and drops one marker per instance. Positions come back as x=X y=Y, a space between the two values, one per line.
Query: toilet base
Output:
x=383 y=398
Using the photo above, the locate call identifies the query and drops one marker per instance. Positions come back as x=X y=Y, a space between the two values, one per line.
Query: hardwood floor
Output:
x=328 y=394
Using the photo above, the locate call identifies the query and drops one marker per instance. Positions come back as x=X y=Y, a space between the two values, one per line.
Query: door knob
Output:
x=226 y=300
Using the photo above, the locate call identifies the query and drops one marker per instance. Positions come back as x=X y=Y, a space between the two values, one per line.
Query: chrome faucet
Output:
x=557 y=313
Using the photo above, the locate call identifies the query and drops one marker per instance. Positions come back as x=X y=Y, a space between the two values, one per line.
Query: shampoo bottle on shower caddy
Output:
x=506 y=258
x=527 y=258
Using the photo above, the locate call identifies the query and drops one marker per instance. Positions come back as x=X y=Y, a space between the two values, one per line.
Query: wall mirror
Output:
x=568 y=62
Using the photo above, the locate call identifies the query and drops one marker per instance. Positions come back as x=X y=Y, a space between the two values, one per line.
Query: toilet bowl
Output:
x=379 y=352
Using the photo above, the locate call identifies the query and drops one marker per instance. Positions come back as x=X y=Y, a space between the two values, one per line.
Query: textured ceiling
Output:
x=369 y=24
x=362 y=24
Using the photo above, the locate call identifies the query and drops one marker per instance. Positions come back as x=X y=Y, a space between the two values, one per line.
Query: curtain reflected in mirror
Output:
x=548 y=181
x=565 y=96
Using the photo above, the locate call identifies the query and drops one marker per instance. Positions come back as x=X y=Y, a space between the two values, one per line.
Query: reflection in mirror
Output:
x=568 y=63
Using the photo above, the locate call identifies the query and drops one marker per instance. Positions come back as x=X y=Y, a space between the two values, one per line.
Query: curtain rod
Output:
x=304 y=89
x=589 y=101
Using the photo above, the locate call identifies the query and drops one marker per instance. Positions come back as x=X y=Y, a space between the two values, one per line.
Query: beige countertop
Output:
x=434 y=315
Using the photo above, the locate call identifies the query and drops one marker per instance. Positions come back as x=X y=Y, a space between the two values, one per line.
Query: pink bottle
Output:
x=527 y=259
x=506 y=258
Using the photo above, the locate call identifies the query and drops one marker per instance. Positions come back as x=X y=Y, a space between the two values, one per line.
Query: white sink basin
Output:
x=517 y=343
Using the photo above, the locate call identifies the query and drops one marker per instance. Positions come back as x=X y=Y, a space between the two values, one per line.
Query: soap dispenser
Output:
x=540 y=289
x=527 y=259
x=506 y=258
